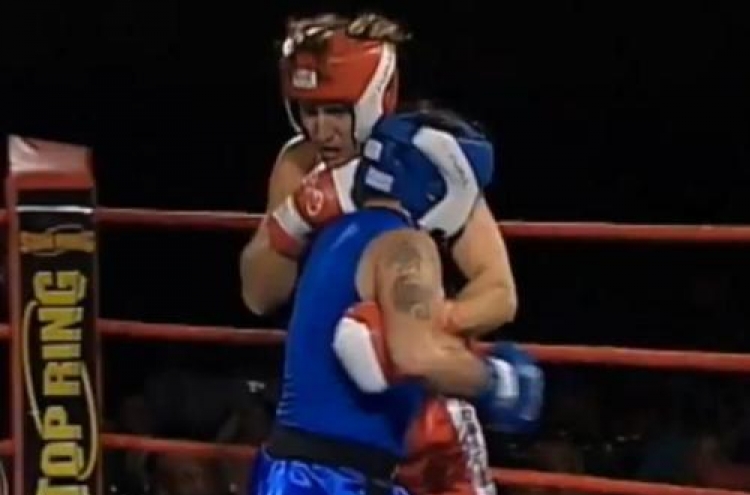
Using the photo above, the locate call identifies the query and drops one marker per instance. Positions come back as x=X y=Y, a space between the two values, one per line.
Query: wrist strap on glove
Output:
x=502 y=387
x=287 y=230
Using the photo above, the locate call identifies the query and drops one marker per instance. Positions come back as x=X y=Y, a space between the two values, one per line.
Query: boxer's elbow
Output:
x=477 y=312
x=497 y=302
x=259 y=297
x=267 y=279
x=507 y=303
x=255 y=302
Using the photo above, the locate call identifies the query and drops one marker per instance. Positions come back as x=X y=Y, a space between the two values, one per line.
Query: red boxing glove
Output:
x=360 y=343
x=323 y=195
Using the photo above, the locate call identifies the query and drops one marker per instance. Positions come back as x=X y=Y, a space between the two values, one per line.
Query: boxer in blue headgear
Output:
x=432 y=163
x=365 y=343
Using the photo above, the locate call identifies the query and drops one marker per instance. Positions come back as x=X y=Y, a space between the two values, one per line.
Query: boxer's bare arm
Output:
x=409 y=290
x=267 y=277
x=489 y=298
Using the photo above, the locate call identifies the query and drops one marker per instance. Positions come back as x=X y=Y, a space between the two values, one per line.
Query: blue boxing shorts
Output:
x=300 y=463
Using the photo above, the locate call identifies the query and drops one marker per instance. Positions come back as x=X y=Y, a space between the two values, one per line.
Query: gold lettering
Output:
x=62 y=379
x=57 y=322
x=56 y=242
x=44 y=488
x=34 y=242
x=55 y=425
x=62 y=288
x=75 y=241
x=61 y=460
x=59 y=316
x=61 y=352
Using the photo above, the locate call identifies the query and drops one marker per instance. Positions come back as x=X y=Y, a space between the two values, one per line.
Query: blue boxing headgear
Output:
x=435 y=169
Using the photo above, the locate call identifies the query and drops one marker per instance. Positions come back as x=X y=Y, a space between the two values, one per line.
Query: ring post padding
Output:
x=53 y=310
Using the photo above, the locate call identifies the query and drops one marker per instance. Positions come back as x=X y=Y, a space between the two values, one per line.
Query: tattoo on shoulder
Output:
x=409 y=292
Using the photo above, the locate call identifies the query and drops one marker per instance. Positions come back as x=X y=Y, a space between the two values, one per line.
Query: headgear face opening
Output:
x=437 y=175
x=356 y=72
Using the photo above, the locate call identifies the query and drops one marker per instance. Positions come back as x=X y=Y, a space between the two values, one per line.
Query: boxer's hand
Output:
x=322 y=196
x=512 y=400
x=449 y=318
x=361 y=347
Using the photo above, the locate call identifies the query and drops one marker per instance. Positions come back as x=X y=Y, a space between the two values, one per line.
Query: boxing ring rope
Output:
x=512 y=229
x=556 y=354
x=581 y=231
x=551 y=354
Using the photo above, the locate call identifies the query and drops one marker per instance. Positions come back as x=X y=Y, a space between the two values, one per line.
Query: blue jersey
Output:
x=317 y=394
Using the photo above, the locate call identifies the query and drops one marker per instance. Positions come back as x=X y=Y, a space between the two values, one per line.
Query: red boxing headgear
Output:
x=358 y=72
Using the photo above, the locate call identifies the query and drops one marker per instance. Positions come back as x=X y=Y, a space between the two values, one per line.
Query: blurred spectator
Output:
x=195 y=406
x=713 y=468
x=558 y=456
x=665 y=456
x=175 y=474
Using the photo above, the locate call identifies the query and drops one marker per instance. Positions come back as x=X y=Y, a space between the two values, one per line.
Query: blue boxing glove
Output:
x=512 y=399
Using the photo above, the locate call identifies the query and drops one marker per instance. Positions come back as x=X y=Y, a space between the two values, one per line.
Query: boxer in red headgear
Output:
x=339 y=76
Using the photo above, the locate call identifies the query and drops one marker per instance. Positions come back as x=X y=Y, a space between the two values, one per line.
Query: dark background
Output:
x=607 y=111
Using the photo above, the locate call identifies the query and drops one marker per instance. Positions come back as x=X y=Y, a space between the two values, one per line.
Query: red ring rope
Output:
x=554 y=354
x=598 y=231
x=516 y=477
x=513 y=229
